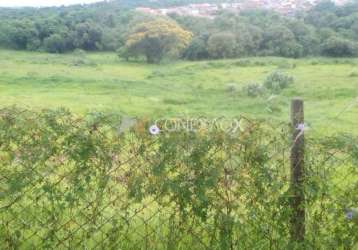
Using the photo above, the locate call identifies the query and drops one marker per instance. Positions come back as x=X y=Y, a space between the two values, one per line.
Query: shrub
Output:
x=254 y=89
x=231 y=88
x=278 y=81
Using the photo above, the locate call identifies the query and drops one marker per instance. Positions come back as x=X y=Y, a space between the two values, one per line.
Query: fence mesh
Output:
x=70 y=182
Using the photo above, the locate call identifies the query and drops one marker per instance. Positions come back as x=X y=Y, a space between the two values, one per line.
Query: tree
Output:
x=249 y=39
x=197 y=50
x=306 y=36
x=156 y=39
x=4 y=35
x=24 y=35
x=87 y=36
x=222 y=45
x=55 y=44
x=280 y=41
x=339 y=47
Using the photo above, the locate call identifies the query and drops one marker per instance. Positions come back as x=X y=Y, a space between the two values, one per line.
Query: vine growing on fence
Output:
x=69 y=181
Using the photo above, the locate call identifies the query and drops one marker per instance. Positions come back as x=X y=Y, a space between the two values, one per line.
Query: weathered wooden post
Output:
x=297 y=220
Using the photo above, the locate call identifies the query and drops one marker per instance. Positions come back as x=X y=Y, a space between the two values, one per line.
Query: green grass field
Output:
x=100 y=81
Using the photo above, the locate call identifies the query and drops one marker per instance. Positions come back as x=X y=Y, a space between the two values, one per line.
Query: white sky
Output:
x=40 y=3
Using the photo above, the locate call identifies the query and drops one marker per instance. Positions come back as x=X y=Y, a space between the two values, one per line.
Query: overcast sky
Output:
x=38 y=3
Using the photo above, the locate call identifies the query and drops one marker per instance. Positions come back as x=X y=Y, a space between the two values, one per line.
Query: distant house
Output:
x=286 y=7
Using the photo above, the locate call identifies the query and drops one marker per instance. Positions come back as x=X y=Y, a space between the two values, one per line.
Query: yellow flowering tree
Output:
x=157 y=38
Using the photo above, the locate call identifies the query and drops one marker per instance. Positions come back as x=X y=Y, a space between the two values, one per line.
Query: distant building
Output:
x=286 y=7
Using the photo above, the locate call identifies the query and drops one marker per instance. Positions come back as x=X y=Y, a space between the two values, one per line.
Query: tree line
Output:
x=327 y=30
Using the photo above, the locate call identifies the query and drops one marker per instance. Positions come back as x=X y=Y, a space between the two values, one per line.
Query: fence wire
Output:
x=69 y=182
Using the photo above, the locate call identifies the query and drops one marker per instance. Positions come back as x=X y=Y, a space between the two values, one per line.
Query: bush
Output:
x=254 y=89
x=278 y=81
x=231 y=88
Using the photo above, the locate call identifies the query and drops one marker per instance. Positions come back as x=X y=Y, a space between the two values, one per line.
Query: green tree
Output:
x=338 y=47
x=24 y=35
x=197 y=49
x=87 y=36
x=156 y=39
x=249 y=39
x=222 y=45
x=55 y=44
x=306 y=36
x=280 y=41
x=4 y=34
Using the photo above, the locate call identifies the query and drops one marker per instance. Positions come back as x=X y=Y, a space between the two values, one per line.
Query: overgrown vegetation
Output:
x=277 y=81
x=77 y=182
x=273 y=84
x=325 y=30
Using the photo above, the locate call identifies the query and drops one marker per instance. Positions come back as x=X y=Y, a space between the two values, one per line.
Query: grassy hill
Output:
x=100 y=81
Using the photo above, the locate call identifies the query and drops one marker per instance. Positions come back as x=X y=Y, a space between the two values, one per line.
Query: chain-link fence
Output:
x=70 y=182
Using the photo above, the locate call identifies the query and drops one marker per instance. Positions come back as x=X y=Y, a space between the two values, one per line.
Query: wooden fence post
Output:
x=297 y=220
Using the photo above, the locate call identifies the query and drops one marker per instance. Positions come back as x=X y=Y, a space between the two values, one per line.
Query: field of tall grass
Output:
x=84 y=82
